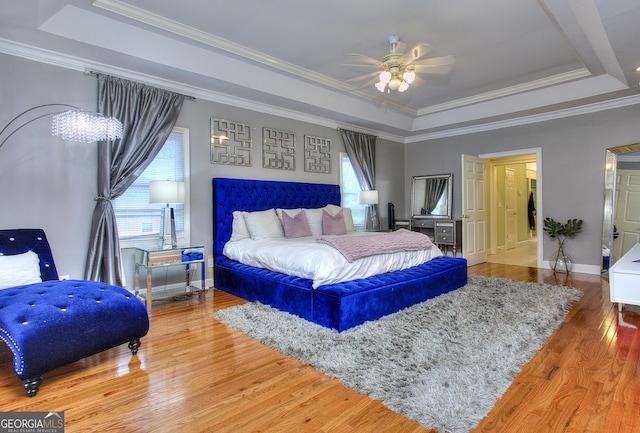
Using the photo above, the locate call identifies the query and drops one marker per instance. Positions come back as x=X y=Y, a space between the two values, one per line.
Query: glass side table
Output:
x=152 y=258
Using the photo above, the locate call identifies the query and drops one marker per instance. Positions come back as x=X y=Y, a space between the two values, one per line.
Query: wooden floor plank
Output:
x=195 y=374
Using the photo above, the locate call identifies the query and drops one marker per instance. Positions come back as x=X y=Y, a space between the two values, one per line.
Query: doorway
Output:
x=514 y=214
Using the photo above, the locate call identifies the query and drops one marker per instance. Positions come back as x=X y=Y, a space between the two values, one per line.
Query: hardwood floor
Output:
x=195 y=374
x=525 y=254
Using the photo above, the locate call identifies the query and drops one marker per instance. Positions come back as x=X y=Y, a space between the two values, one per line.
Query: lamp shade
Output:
x=78 y=125
x=166 y=191
x=368 y=197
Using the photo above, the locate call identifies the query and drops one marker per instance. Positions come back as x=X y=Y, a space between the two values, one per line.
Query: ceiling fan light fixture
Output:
x=394 y=83
x=409 y=76
x=397 y=70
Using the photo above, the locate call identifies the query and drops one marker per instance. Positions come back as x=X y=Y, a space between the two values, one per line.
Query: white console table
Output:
x=624 y=278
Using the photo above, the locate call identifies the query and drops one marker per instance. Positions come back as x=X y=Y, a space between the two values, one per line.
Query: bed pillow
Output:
x=290 y=212
x=296 y=226
x=348 y=216
x=263 y=224
x=333 y=224
x=239 y=228
x=314 y=218
x=19 y=269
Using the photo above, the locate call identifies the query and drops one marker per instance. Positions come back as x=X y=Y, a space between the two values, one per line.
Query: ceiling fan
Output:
x=397 y=70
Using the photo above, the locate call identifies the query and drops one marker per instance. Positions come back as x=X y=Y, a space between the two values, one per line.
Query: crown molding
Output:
x=536 y=118
x=82 y=65
x=507 y=91
x=40 y=55
x=78 y=64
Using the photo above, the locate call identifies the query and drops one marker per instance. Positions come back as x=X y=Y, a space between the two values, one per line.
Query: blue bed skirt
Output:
x=343 y=305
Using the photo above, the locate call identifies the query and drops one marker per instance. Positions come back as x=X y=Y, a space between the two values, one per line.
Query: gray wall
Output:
x=46 y=182
x=573 y=158
x=49 y=183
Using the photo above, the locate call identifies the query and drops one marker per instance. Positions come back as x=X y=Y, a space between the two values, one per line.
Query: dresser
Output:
x=423 y=225
x=624 y=278
x=444 y=232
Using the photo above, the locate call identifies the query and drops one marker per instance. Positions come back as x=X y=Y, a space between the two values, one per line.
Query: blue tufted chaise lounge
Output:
x=49 y=324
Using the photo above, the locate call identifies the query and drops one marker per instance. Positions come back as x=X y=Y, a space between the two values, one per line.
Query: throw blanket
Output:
x=353 y=248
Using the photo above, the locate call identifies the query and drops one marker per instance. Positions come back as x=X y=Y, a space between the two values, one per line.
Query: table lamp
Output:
x=169 y=192
x=370 y=199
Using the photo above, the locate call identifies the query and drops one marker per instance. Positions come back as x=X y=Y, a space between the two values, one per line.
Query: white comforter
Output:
x=306 y=258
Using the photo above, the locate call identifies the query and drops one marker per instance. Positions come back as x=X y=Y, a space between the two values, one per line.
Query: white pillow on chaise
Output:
x=19 y=269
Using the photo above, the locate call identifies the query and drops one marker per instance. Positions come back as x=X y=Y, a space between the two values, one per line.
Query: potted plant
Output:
x=560 y=262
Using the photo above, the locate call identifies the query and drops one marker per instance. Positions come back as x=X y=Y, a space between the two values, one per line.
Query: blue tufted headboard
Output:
x=254 y=195
x=20 y=241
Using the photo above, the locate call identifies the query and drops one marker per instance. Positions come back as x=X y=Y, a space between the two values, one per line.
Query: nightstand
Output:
x=155 y=257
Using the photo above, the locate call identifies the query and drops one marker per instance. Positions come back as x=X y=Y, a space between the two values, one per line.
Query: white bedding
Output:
x=306 y=258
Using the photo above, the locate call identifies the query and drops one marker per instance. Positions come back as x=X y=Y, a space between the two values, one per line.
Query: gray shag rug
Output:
x=443 y=363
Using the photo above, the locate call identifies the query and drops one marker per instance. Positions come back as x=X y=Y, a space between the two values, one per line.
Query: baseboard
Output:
x=577 y=267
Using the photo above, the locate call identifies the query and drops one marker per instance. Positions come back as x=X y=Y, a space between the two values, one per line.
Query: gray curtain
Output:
x=435 y=188
x=361 y=149
x=148 y=116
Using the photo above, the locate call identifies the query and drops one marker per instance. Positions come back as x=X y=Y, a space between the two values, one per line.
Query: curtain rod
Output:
x=359 y=132
x=92 y=72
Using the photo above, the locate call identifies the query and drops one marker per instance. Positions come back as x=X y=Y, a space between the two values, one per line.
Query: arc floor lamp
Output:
x=68 y=122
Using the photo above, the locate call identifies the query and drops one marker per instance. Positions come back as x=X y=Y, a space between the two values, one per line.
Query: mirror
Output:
x=431 y=196
x=621 y=203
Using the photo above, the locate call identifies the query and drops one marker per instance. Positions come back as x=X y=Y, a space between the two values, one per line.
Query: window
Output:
x=139 y=222
x=350 y=188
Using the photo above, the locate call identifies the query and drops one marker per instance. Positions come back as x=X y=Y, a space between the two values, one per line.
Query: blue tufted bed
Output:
x=339 y=306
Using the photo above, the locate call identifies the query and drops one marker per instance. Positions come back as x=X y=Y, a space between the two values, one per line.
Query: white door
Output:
x=627 y=216
x=474 y=223
x=511 y=208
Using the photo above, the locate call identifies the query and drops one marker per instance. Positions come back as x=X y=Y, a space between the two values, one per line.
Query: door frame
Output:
x=537 y=151
x=510 y=199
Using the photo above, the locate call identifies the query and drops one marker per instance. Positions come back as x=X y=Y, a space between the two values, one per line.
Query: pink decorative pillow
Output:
x=296 y=226
x=333 y=224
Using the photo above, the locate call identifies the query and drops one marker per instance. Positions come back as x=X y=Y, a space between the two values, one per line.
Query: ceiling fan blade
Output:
x=417 y=82
x=420 y=50
x=362 y=65
x=365 y=59
x=363 y=77
x=436 y=61
x=371 y=80
x=370 y=83
x=401 y=47
x=435 y=69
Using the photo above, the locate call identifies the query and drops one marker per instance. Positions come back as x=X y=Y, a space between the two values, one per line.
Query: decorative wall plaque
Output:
x=230 y=142
x=317 y=154
x=278 y=149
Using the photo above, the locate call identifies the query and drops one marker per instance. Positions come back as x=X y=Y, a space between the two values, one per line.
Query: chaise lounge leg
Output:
x=133 y=346
x=32 y=384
